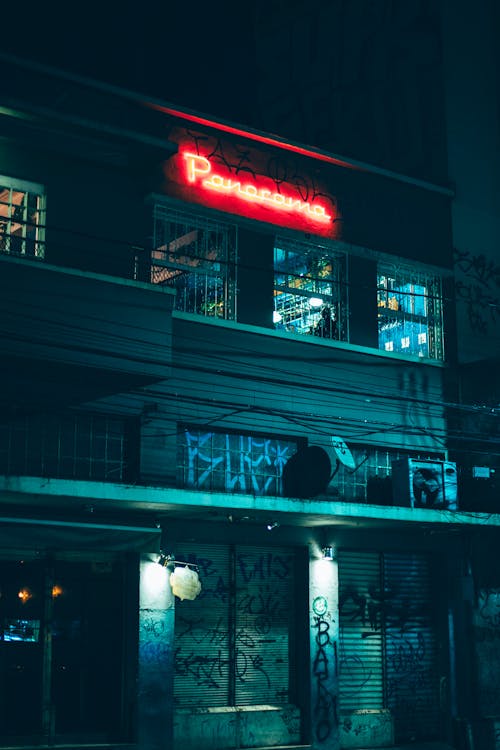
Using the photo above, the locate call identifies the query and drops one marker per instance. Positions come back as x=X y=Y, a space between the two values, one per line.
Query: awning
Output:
x=51 y=535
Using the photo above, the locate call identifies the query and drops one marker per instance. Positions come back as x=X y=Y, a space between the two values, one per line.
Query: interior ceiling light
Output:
x=315 y=302
x=25 y=594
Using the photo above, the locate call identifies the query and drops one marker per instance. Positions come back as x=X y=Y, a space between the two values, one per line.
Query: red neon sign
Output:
x=199 y=170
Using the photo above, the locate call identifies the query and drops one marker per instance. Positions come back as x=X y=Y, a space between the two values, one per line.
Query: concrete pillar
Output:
x=323 y=620
x=155 y=671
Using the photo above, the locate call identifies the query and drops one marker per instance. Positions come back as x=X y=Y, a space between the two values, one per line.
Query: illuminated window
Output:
x=409 y=312
x=22 y=218
x=389 y=346
x=308 y=291
x=196 y=257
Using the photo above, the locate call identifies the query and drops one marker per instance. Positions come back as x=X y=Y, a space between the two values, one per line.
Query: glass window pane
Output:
x=196 y=257
x=21 y=218
x=409 y=313
x=308 y=290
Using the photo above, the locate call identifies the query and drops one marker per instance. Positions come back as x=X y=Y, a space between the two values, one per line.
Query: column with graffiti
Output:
x=154 y=679
x=323 y=620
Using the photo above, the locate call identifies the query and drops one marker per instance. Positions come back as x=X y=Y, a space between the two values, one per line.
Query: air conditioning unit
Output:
x=422 y=483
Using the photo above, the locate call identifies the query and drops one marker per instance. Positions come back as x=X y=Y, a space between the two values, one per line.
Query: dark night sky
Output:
x=191 y=53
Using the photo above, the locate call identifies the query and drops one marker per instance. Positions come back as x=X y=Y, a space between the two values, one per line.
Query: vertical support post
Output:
x=48 y=716
x=155 y=669
x=324 y=631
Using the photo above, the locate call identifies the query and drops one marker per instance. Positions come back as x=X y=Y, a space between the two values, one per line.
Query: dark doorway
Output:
x=61 y=649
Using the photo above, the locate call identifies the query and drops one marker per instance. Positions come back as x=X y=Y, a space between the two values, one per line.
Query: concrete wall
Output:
x=246 y=726
x=361 y=79
x=471 y=66
x=366 y=728
x=486 y=633
x=251 y=380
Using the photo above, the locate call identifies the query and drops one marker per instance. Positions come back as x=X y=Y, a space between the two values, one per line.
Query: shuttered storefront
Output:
x=361 y=646
x=388 y=642
x=202 y=632
x=232 y=643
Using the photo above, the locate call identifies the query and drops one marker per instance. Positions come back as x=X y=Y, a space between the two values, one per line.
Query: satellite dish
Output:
x=307 y=473
x=342 y=452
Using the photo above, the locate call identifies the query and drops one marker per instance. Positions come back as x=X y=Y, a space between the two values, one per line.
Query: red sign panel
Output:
x=200 y=170
x=245 y=181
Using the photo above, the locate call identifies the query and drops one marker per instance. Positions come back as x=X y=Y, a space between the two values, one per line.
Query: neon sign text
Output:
x=200 y=168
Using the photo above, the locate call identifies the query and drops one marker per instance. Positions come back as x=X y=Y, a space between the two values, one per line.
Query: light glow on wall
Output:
x=199 y=170
x=154 y=579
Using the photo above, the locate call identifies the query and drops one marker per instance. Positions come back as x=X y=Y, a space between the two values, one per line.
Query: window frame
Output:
x=7 y=235
x=326 y=314
x=276 y=478
x=167 y=269
x=409 y=298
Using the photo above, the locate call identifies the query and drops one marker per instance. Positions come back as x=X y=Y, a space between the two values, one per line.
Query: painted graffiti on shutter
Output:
x=202 y=634
x=360 y=647
x=412 y=678
x=486 y=629
x=232 y=641
x=264 y=613
x=388 y=645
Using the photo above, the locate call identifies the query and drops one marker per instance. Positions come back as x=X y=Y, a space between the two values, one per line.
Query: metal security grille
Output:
x=195 y=256
x=410 y=315
x=229 y=462
x=232 y=642
x=67 y=446
x=22 y=218
x=309 y=289
x=372 y=480
x=388 y=643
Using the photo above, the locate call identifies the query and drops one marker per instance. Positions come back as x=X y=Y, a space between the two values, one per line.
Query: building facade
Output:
x=229 y=357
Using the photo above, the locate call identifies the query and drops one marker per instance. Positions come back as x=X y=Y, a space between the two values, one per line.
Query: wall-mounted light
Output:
x=277 y=317
x=164 y=559
x=272 y=525
x=328 y=553
x=315 y=302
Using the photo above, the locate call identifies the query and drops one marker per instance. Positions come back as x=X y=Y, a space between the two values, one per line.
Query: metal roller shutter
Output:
x=360 y=663
x=202 y=633
x=412 y=677
x=264 y=614
x=388 y=645
x=232 y=641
